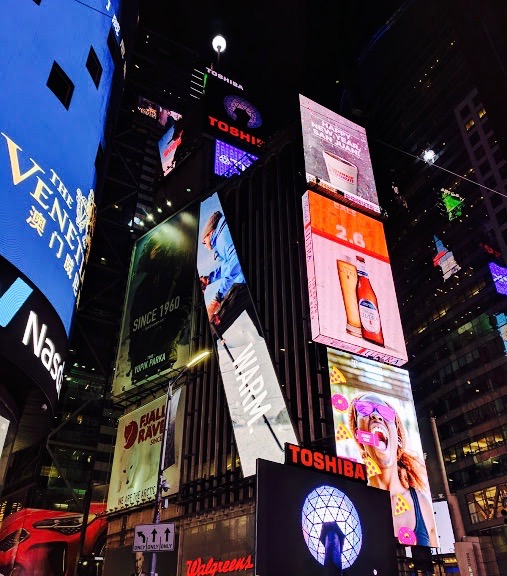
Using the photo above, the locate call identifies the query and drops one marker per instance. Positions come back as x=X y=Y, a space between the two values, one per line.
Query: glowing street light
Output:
x=219 y=44
x=429 y=156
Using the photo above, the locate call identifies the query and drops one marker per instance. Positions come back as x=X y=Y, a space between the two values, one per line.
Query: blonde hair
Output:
x=411 y=470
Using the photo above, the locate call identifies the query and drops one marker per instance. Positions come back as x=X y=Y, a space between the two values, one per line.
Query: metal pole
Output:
x=160 y=477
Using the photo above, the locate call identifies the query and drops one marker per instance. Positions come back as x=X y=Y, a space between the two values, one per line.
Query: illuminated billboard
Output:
x=230 y=115
x=154 y=336
x=156 y=112
x=499 y=275
x=376 y=424
x=32 y=335
x=48 y=159
x=137 y=452
x=353 y=302
x=336 y=154
x=312 y=523
x=170 y=142
x=257 y=407
x=231 y=161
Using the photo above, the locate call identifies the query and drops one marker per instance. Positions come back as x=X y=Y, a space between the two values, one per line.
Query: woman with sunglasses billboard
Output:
x=381 y=436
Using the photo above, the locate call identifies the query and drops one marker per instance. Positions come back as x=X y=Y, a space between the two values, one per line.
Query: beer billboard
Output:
x=376 y=424
x=353 y=302
x=260 y=419
x=337 y=155
x=154 y=336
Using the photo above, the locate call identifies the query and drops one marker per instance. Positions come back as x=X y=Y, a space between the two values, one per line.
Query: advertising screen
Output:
x=137 y=452
x=231 y=161
x=47 y=159
x=310 y=523
x=153 y=110
x=499 y=275
x=337 y=154
x=376 y=424
x=353 y=302
x=123 y=562
x=32 y=335
x=154 y=336
x=257 y=407
x=170 y=142
x=230 y=115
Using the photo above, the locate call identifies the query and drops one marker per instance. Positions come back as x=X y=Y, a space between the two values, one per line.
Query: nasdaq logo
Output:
x=12 y=300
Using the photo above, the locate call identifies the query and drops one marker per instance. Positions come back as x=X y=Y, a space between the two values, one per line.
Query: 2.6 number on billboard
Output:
x=357 y=237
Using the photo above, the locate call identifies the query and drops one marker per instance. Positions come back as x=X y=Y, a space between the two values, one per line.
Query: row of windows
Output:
x=473 y=418
x=487 y=504
x=492 y=468
x=477 y=444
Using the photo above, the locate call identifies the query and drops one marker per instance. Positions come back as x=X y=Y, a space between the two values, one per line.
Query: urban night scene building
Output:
x=253 y=288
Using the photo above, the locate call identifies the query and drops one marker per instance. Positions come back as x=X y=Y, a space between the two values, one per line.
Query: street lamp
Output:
x=162 y=484
x=219 y=45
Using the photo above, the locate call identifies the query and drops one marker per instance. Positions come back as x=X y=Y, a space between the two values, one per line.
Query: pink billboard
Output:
x=337 y=157
x=353 y=303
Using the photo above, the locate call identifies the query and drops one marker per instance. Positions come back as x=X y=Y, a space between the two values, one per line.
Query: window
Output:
x=496 y=200
x=474 y=138
x=60 y=84
x=465 y=111
x=501 y=216
x=479 y=153
x=482 y=112
x=94 y=67
x=484 y=168
x=470 y=124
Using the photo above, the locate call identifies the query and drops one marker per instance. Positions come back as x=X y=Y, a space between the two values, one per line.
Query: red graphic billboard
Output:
x=353 y=302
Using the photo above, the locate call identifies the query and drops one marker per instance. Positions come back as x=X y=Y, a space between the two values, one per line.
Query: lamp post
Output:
x=162 y=484
x=219 y=45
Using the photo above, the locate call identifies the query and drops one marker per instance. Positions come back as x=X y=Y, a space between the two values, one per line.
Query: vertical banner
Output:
x=353 y=303
x=337 y=154
x=376 y=424
x=154 y=336
x=170 y=141
x=258 y=412
x=137 y=452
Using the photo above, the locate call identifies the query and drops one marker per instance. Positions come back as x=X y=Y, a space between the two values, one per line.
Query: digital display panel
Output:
x=32 y=335
x=376 y=424
x=231 y=161
x=154 y=336
x=499 y=275
x=312 y=523
x=337 y=155
x=137 y=452
x=153 y=110
x=353 y=302
x=260 y=419
x=170 y=142
x=445 y=259
x=47 y=159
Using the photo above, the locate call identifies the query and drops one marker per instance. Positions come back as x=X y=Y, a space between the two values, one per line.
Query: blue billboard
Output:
x=59 y=59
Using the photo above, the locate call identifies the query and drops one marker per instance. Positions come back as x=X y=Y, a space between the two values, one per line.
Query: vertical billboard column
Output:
x=353 y=302
x=257 y=408
x=154 y=336
x=376 y=424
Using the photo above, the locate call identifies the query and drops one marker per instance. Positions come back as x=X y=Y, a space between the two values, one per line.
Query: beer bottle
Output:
x=371 y=327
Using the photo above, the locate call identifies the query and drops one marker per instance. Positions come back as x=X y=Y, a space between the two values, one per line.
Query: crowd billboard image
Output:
x=154 y=336
x=336 y=154
x=257 y=407
x=318 y=524
x=137 y=452
x=376 y=424
x=353 y=303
